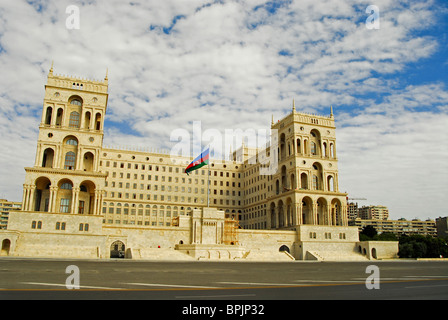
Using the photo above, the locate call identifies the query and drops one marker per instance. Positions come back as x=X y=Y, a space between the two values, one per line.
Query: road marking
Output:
x=217 y=296
x=436 y=285
x=426 y=276
x=394 y=279
x=169 y=285
x=260 y=284
x=63 y=285
x=329 y=281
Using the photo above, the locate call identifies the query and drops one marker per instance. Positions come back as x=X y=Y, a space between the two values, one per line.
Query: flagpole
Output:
x=208 y=183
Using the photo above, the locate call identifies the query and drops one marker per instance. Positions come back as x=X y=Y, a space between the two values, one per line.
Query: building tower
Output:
x=65 y=177
x=305 y=188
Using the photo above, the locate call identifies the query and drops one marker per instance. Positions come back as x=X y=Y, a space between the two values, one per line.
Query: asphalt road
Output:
x=228 y=281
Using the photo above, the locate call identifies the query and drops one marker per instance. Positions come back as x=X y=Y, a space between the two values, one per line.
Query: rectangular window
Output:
x=74 y=120
x=65 y=205
x=81 y=207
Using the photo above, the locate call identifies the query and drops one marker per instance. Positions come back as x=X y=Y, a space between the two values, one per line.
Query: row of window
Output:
x=257 y=226
x=74 y=118
x=59 y=225
x=150 y=167
x=168 y=198
x=327 y=235
x=139 y=223
x=142 y=186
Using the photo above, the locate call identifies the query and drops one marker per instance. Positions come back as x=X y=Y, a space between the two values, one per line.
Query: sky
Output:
x=234 y=65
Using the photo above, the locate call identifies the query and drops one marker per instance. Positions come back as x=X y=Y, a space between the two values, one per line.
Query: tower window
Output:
x=72 y=142
x=74 y=120
x=70 y=158
x=76 y=102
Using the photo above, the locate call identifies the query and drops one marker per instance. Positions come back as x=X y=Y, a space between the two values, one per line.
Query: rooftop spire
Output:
x=331 y=111
x=51 y=68
x=293 y=105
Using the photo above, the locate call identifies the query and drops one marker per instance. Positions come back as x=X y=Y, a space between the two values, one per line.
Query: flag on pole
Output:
x=199 y=162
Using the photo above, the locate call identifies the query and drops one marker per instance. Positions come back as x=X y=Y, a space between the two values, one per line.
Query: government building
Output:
x=83 y=200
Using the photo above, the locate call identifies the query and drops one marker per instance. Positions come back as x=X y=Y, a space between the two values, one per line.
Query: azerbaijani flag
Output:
x=199 y=162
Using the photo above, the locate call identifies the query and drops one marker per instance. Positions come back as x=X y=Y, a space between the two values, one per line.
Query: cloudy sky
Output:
x=234 y=64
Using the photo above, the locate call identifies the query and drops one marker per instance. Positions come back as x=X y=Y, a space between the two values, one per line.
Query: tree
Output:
x=418 y=246
x=369 y=232
x=386 y=236
x=406 y=250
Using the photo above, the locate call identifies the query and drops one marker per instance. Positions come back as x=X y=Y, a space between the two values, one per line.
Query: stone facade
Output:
x=84 y=200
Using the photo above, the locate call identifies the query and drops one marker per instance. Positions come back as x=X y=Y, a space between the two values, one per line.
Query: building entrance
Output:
x=117 y=249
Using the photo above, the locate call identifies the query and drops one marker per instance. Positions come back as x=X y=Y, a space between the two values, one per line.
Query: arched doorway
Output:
x=307 y=210
x=65 y=196
x=322 y=211
x=336 y=212
x=374 y=253
x=284 y=248
x=117 y=249
x=42 y=194
x=6 y=245
x=86 y=201
x=281 y=218
x=273 y=216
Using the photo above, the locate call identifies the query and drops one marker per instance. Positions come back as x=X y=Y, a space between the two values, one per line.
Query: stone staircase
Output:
x=334 y=256
x=264 y=255
x=160 y=254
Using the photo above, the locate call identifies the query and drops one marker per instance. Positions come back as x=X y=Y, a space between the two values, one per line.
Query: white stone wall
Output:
x=309 y=242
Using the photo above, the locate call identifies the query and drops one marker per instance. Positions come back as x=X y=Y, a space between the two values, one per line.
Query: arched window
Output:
x=48 y=115
x=47 y=160
x=70 y=158
x=59 y=116
x=98 y=121
x=74 y=120
x=303 y=181
x=87 y=120
x=66 y=186
x=330 y=183
x=76 y=102
x=72 y=142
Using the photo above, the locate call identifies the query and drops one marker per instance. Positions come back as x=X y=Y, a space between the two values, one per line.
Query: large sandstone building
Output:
x=83 y=200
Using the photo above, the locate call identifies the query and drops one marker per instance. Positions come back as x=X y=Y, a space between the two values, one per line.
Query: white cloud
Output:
x=230 y=64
